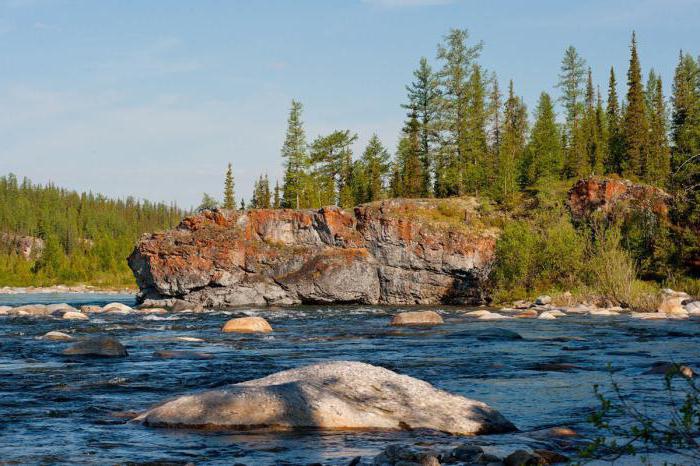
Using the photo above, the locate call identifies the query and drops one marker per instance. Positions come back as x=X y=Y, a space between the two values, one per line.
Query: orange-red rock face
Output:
x=381 y=254
x=613 y=196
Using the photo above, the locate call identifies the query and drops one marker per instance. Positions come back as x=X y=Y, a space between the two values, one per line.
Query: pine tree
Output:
x=601 y=137
x=207 y=203
x=571 y=79
x=512 y=147
x=229 y=197
x=424 y=99
x=331 y=157
x=494 y=129
x=635 y=125
x=457 y=58
x=543 y=158
x=615 y=139
x=658 y=162
x=296 y=160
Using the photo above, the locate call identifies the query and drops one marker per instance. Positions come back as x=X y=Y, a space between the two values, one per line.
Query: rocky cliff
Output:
x=389 y=252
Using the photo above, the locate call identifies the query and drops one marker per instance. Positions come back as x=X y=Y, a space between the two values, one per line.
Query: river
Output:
x=55 y=410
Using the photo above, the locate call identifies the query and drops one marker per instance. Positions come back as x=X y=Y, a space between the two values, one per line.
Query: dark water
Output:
x=55 y=410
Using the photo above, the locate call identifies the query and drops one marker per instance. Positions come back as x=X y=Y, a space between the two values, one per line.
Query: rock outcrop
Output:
x=331 y=395
x=615 y=196
x=390 y=252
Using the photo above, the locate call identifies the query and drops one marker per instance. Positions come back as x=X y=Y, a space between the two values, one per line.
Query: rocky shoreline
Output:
x=12 y=290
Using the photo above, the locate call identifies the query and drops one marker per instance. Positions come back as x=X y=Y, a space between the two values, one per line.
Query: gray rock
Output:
x=543 y=300
x=523 y=458
x=97 y=346
x=332 y=395
x=57 y=336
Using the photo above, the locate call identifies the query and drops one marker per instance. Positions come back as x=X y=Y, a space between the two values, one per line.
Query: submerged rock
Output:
x=97 y=346
x=398 y=251
x=182 y=355
x=670 y=368
x=417 y=318
x=496 y=333
x=247 y=325
x=331 y=395
x=116 y=307
x=90 y=308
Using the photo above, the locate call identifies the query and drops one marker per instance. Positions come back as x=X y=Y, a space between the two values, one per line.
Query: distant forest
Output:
x=51 y=235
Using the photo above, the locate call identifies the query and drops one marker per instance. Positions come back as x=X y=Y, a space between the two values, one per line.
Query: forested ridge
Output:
x=74 y=237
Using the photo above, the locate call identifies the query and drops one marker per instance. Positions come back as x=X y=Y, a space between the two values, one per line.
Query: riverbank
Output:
x=12 y=290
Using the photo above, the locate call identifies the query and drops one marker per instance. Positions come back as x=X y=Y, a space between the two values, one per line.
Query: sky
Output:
x=152 y=99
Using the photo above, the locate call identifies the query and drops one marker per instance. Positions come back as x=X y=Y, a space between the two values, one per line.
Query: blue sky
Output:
x=153 y=98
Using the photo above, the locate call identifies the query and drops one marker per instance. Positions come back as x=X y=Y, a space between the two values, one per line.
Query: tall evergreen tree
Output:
x=635 y=125
x=376 y=163
x=601 y=137
x=277 y=200
x=571 y=83
x=543 y=155
x=408 y=167
x=296 y=160
x=331 y=157
x=229 y=196
x=474 y=164
x=658 y=160
x=615 y=138
x=512 y=147
x=494 y=124
x=457 y=58
x=424 y=100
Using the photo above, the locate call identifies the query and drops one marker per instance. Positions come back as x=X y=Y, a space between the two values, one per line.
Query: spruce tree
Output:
x=229 y=196
x=635 y=125
x=494 y=124
x=571 y=83
x=277 y=202
x=331 y=157
x=457 y=59
x=408 y=164
x=296 y=160
x=376 y=165
x=512 y=147
x=658 y=162
x=615 y=143
x=474 y=164
x=543 y=157
x=601 y=138
x=424 y=100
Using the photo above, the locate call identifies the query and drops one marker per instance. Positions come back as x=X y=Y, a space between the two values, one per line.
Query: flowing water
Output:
x=58 y=410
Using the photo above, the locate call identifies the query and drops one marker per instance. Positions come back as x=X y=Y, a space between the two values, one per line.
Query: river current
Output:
x=56 y=410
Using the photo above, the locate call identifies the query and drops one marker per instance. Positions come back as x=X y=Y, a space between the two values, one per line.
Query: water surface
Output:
x=56 y=410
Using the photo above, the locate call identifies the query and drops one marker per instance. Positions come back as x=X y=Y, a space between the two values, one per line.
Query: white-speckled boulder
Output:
x=331 y=395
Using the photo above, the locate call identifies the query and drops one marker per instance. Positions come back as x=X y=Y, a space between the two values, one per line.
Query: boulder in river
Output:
x=57 y=336
x=90 y=308
x=543 y=300
x=116 y=307
x=75 y=315
x=97 y=346
x=330 y=395
x=527 y=314
x=247 y=325
x=417 y=318
x=182 y=355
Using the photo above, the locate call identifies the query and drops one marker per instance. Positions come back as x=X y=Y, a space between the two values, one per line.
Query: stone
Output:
x=521 y=304
x=496 y=333
x=182 y=355
x=331 y=395
x=543 y=300
x=672 y=305
x=97 y=346
x=492 y=316
x=75 y=315
x=523 y=458
x=394 y=252
x=548 y=315
x=528 y=314
x=668 y=368
x=417 y=318
x=553 y=432
x=603 y=312
x=111 y=307
x=51 y=308
x=190 y=339
x=57 y=336
x=37 y=310
x=180 y=305
x=551 y=457
x=152 y=310
x=247 y=325
x=466 y=453
x=692 y=308
x=89 y=308
x=477 y=313
x=648 y=315
x=4 y=310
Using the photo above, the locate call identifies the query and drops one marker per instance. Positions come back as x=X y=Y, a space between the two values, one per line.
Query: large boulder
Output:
x=388 y=252
x=331 y=395
x=247 y=325
x=417 y=318
x=97 y=346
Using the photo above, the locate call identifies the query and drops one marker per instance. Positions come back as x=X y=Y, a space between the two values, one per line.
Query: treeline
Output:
x=463 y=135
x=86 y=237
